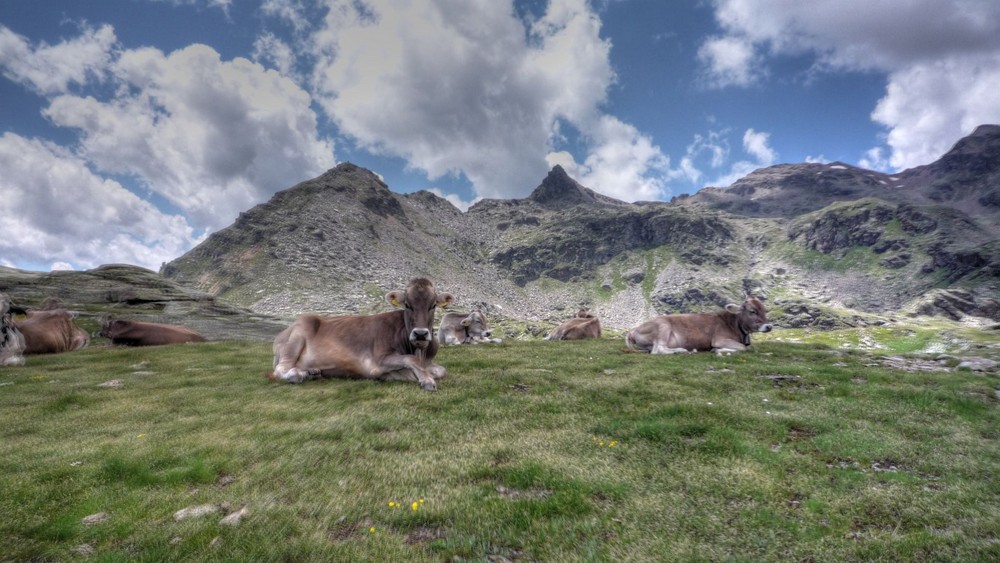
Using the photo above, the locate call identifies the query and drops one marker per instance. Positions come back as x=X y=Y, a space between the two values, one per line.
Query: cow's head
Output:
x=418 y=302
x=476 y=326
x=584 y=313
x=752 y=316
x=109 y=326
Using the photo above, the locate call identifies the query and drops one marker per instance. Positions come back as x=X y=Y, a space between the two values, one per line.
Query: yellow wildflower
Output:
x=415 y=506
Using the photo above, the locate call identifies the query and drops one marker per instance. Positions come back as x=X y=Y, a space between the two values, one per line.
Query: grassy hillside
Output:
x=549 y=451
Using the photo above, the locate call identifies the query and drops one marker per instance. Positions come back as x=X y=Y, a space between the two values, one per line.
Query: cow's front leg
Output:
x=403 y=362
x=661 y=348
x=727 y=346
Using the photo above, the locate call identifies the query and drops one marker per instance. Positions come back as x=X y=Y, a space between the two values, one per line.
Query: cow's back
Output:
x=356 y=343
x=451 y=328
x=51 y=332
x=138 y=333
x=579 y=328
x=688 y=331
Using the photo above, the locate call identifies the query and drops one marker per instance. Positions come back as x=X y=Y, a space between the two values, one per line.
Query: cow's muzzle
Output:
x=765 y=328
x=420 y=337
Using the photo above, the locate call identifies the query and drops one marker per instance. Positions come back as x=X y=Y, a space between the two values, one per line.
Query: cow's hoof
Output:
x=293 y=375
x=437 y=372
x=429 y=386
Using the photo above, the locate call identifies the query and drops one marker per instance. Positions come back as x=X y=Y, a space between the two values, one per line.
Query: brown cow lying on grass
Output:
x=137 y=333
x=583 y=326
x=397 y=345
x=465 y=328
x=51 y=331
x=725 y=331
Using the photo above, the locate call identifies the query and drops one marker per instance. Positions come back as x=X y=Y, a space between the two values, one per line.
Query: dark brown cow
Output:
x=51 y=331
x=583 y=326
x=725 y=331
x=395 y=345
x=138 y=333
x=11 y=339
x=465 y=328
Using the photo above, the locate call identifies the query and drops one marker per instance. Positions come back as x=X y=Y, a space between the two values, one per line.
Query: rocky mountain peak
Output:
x=559 y=191
x=352 y=173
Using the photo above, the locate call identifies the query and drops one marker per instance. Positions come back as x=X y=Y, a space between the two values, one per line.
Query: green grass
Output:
x=547 y=451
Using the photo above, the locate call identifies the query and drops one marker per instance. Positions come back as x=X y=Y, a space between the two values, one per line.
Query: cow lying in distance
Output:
x=51 y=331
x=11 y=339
x=583 y=326
x=465 y=328
x=138 y=333
x=725 y=331
x=398 y=345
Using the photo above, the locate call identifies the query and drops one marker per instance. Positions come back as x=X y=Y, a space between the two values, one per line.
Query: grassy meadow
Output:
x=532 y=451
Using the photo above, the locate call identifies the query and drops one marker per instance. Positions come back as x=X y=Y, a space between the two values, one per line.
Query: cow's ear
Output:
x=395 y=298
x=466 y=322
x=733 y=308
x=445 y=299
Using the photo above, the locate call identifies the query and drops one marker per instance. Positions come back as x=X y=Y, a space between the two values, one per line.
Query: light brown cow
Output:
x=51 y=331
x=398 y=345
x=583 y=326
x=465 y=328
x=725 y=331
x=11 y=339
x=138 y=333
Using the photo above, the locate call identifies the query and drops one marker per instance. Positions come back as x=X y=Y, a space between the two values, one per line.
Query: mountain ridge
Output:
x=857 y=243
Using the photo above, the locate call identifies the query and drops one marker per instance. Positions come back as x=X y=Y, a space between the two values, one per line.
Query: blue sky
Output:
x=132 y=129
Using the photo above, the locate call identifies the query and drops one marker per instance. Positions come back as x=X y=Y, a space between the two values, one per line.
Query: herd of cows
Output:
x=398 y=345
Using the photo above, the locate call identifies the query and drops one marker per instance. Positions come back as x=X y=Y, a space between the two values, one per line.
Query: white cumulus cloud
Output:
x=470 y=88
x=756 y=144
x=50 y=69
x=213 y=137
x=623 y=163
x=929 y=106
x=941 y=59
x=54 y=210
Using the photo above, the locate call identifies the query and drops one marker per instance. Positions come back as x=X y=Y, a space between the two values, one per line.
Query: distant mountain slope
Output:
x=135 y=293
x=826 y=244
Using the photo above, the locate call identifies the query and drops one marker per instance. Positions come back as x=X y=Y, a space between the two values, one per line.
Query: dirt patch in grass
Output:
x=425 y=534
x=790 y=381
x=796 y=433
x=346 y=531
